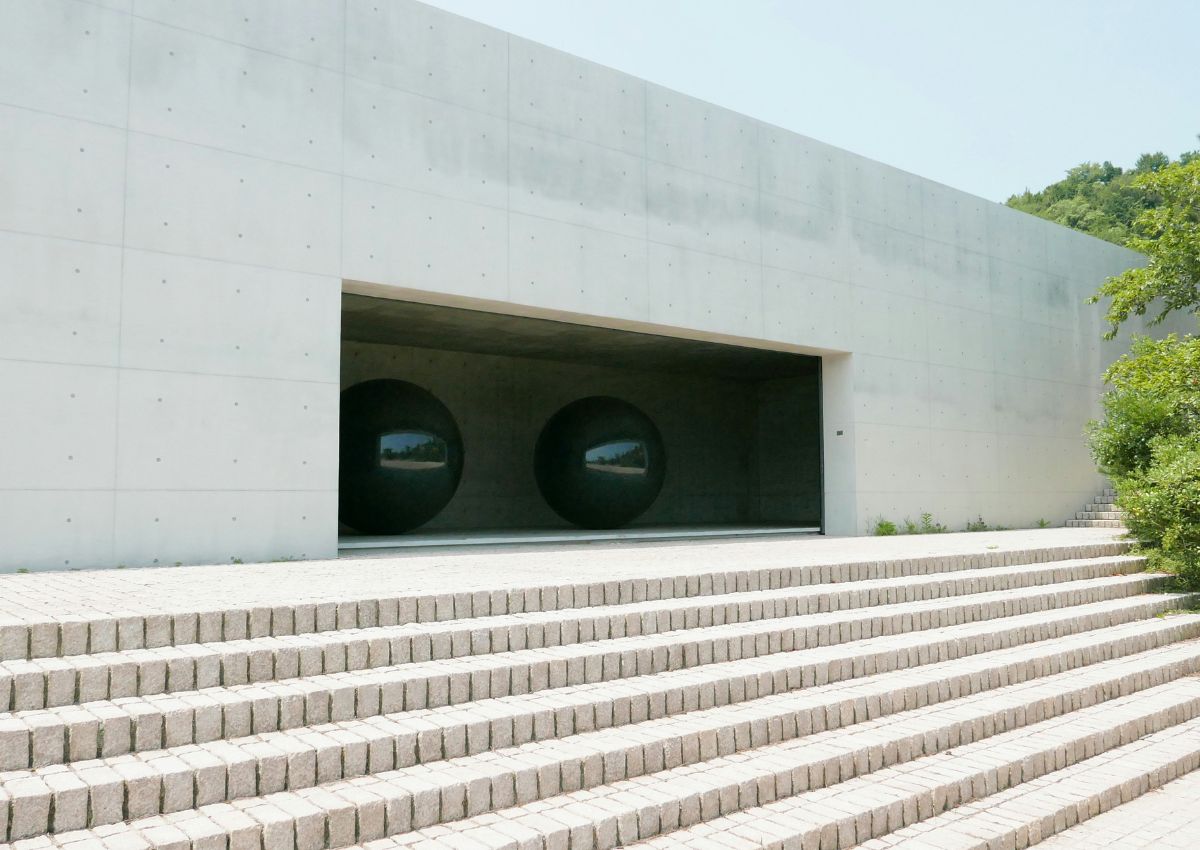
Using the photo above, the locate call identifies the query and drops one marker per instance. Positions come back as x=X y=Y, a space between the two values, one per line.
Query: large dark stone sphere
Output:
x=402 y=457
x=600 y=462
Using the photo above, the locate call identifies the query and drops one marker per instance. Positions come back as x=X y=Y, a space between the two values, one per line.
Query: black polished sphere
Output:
x=600 y=462
x=402 y=457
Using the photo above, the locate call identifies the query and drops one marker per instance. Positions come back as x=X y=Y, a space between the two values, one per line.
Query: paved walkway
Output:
x=90 y=593
x=1165 y=819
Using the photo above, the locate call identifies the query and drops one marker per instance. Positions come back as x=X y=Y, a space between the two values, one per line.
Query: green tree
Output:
x=1099 y=198
x=1151 y=162
x=1168 y=233
x=1149 y=440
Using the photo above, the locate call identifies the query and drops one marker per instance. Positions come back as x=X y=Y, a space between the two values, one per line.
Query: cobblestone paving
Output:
x=1164 y=819
x=958 y=692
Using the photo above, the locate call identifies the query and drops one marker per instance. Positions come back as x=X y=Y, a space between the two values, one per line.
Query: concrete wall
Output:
x=187 y=187
x=712 y=429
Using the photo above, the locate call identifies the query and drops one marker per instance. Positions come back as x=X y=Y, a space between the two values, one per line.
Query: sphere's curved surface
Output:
x=600 y=462
x=401 y=457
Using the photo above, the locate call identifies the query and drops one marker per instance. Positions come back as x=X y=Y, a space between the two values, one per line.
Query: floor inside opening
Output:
x=533 y=536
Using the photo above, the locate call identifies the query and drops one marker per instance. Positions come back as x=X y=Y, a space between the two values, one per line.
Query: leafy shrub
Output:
x=1149 y=443
x=884 y=527
x=1162 y=505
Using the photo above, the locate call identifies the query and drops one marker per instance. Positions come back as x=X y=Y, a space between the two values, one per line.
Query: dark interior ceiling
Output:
x=382 y=320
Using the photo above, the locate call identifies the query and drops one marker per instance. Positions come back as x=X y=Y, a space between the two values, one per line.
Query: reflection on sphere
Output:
x=600 y=462
x=401 y=457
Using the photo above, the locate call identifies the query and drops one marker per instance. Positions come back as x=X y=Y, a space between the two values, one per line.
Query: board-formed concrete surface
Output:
x=970 y=690
x=189 y=190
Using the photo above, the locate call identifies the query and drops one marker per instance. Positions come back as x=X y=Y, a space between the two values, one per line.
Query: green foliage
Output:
x=1155 y=393
x=1162 y=505
x=886 y=528
x=1168 y=233
x=1151 y=162
x=1100 y=198
x=928 y=526
x=1097 y=198
x=925 y=526
x=1149 y=442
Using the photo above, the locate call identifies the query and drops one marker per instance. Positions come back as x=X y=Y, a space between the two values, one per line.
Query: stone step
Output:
x=1118 y=515
x=874 y=811
x=1102 y=506
x=39 y=738
x=55 y=682
x=433 y=734
x=133 y=786
x=176 y=607
x=802 y=792
x=1051 y=806
x=140 y=672
x=1094 y=523
x=1164 y=818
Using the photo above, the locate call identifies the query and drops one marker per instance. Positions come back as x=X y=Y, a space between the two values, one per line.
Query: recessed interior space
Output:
x=534 y=425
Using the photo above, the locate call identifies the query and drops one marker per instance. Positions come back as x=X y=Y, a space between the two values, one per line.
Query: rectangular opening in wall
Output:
x=458 y=423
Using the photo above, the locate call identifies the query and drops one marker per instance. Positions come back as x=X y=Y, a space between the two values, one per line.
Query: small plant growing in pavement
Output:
x=928 y=526
x=977 y=525
x=884 y=527
x=925 y=526
x=1042 y=523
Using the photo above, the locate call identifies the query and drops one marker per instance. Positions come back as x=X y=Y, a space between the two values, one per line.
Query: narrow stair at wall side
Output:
x=1101 y=512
